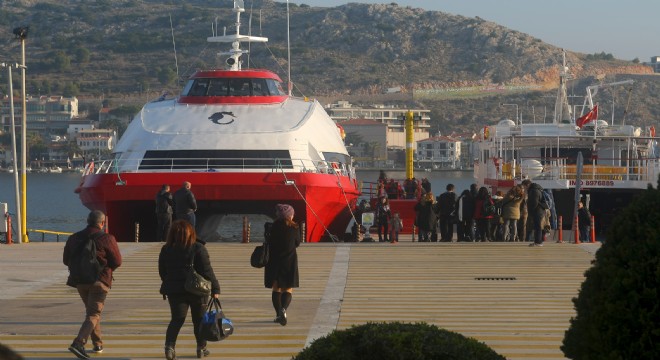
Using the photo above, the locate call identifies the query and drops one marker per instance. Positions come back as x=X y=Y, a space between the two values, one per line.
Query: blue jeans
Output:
x=190 y=217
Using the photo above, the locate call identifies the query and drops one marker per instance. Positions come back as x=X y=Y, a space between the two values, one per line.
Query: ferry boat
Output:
x=618 y=160
x=243 y=143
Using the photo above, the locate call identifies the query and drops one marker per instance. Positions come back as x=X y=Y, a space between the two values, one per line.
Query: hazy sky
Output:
x=627 y=29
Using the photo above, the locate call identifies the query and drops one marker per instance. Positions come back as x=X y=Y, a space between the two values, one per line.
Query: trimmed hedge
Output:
x=395 y=340
x=618 y=306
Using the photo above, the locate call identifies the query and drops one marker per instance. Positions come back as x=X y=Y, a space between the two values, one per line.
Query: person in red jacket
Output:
x=93 y=295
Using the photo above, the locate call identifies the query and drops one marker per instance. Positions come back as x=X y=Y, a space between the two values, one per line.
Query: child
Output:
x=397 y=225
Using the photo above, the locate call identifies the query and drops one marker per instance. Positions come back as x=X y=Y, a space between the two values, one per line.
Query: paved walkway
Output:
x=512 y=297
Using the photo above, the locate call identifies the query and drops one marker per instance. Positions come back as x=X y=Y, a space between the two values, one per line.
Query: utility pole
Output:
x=21 y=34
x=13 y=144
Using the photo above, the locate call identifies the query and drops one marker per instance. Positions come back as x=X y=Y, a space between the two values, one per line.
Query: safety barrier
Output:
x=44 y=232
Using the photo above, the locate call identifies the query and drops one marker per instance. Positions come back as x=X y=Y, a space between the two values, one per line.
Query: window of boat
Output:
x=218 y=87
x=239 y=87
x=199 y=88
x=275 y=87
x=336 y=157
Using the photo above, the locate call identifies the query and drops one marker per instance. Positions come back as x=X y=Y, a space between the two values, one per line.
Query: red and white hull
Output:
x=128 y=199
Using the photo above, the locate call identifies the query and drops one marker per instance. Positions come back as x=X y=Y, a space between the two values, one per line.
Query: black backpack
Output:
x=84 y=266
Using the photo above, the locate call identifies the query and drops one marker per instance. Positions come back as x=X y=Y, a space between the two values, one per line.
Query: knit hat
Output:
x=283 y=211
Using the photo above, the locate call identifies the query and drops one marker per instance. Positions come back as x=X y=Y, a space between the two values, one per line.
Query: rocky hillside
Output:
x=118 y=47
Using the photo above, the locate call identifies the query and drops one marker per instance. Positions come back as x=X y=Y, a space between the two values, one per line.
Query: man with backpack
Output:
x=91 y=255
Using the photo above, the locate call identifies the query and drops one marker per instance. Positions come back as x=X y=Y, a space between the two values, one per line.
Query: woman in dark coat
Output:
x=182 y=248
x=281 y=272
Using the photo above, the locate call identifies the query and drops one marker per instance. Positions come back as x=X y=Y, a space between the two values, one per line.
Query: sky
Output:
x=626 y=29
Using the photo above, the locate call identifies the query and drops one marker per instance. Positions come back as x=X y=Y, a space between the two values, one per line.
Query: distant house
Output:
x=45 y=114
x=655 y=63
x=439 y=152
x=96 y=142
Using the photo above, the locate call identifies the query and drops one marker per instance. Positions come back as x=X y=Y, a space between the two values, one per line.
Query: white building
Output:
x=439 y=152
x=393 y=117
x=96 y=142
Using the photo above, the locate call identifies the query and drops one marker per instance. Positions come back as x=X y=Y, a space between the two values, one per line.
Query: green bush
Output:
x=400 y=341
x=618 y=307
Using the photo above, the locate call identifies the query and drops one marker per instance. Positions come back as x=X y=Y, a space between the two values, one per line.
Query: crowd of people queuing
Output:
x=525 y=213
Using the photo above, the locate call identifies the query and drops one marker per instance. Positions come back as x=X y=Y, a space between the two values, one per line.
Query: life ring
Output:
x=486 y=132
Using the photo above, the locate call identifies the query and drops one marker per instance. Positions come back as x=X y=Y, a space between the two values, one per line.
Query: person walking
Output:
x=584 y=222
x=536 y=209
x=181 y=249
x=481 y=215
x=447 y=213
x=397 y=226
x=164 y=203
x=383 y=215
x=281 y=273
x=93 y=294
x=185 y=204
x=511 y=212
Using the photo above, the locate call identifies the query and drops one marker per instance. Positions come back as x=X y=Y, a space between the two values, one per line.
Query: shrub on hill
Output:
x=618 y=307
x=401 y=341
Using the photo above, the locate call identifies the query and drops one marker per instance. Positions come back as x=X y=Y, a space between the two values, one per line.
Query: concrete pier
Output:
x=514 y=298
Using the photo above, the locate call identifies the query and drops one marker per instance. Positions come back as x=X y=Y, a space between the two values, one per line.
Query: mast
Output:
x=234 y=61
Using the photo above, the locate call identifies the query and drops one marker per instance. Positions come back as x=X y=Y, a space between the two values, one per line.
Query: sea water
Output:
x=52 y=205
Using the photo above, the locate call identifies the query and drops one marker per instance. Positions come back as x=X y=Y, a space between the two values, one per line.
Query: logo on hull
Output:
x=215 y=118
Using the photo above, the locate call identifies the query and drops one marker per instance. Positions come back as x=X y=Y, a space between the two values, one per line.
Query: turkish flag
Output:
x=591 y=115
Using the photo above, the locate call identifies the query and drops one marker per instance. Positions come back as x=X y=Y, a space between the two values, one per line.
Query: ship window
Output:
x=218 y=87
x=209 y=160
x=199 y=88
x=239 y=87
x=275 y=87
x=259 y=87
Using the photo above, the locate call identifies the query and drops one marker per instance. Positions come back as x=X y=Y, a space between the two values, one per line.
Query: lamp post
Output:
x=516 y=105
x=13 y=144
x=21 y=34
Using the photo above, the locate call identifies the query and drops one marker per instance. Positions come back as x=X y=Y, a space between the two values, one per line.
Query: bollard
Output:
x=561 y=230
x=246 y=230
x=137 y=232
x=593 y=229
x=576 y=226
x=9 y=240
x=413 y=232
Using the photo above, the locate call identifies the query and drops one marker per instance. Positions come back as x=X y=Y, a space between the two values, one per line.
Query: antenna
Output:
x=288 y=46
x=176 y=62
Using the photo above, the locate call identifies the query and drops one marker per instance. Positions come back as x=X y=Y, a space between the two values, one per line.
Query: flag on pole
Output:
x=591 y=115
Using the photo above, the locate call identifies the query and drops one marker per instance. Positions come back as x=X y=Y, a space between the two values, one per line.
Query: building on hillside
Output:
x=75 y=127
x=372 y=137
x=96 y=142
x=393 y=117
x=438 y=152
x=46 y=115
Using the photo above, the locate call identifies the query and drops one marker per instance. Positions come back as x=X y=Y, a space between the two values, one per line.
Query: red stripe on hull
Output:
x=128 y=199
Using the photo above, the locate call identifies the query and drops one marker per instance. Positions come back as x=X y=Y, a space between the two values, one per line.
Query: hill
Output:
x=132 y=50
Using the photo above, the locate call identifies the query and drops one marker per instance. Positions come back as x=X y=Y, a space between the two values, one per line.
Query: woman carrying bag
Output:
x=180 y=250
x=281 y=272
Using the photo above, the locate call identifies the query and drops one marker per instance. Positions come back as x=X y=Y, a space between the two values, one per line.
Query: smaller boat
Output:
x=55 y=170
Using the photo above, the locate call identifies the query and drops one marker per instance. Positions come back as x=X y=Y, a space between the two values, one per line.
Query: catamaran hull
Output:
x=321 y=201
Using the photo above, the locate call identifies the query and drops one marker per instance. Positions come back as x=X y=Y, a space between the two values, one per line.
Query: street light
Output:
x=516 y=105
x=22 y=34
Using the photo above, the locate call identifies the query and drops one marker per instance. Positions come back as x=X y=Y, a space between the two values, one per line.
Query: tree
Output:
x=618 y=306
x=397 y=340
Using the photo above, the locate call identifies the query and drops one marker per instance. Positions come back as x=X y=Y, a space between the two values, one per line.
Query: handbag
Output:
x=260 y=255
x=195 y=283
x=214 y=325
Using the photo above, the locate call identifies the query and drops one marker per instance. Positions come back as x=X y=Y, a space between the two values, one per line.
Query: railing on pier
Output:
x=48 y=232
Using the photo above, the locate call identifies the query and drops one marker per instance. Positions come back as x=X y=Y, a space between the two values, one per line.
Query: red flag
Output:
x=591 y=115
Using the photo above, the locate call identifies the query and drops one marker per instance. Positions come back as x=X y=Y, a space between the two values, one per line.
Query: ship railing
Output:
x=638 y=169
x=219 y=165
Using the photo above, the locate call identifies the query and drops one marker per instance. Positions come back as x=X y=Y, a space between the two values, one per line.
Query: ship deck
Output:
x=514 y=298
